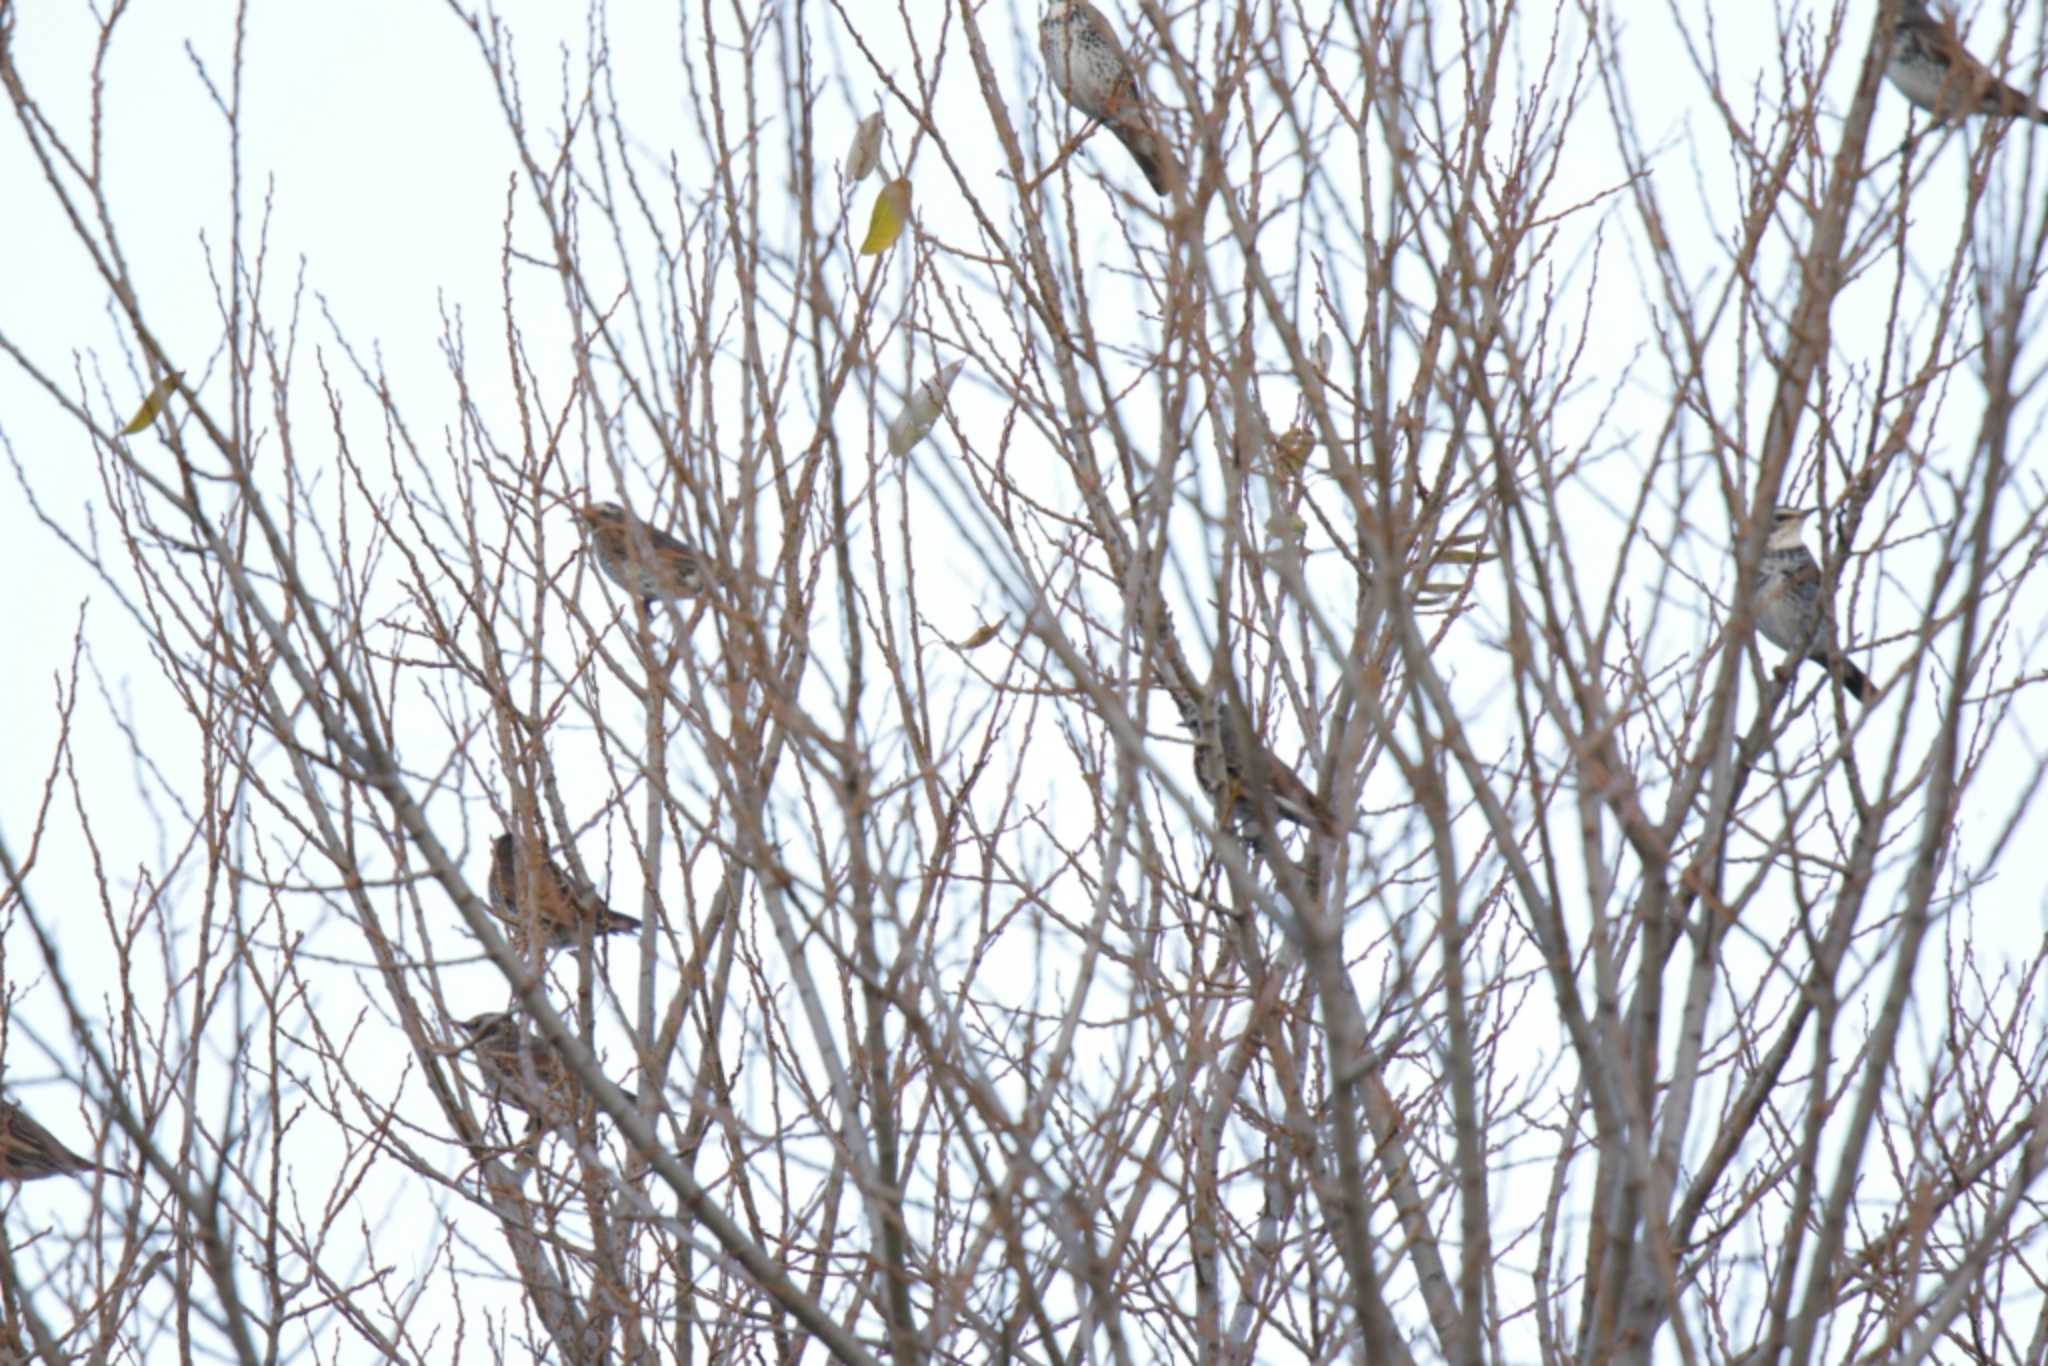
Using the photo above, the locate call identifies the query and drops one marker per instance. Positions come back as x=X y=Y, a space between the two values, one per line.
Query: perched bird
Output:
x=1930 y=67
x=520 y=1069
x=561 y=910
x=648 y=563
x=29 y=1153
x=1088 y=66
x=1789 y=608
x=1221 y=771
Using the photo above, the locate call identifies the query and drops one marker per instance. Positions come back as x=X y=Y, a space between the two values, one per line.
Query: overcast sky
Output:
x=374 y=136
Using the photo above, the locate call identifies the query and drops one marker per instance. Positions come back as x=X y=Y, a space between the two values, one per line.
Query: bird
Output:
x=561 y=909
x=647 y=563
x=28 y=1152
x=1088 y=67
x=1236 y=786
x=520 y=1069
x=1790 y=611
x=1931 y=68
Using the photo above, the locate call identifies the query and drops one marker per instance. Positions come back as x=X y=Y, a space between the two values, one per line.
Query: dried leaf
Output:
x=885 y=224
x=154 y=404
x=927 y=404
x=1290 y=451
x=1324 y=352
x=866 y=152
x=1283 y=525
x=983 y=635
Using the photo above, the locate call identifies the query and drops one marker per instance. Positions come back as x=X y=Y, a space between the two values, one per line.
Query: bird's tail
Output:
x=1298 y=803
x=1158 y=164
x=1854 y=681
x=609 y=921
x=2001 y=98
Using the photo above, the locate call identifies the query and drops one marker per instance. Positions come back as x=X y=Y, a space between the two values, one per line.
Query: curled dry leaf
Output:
x=921 y=414
x=1465 y=549
x=1462 y=549
x=1285 y=526
x=866 y=152
x=983 y=635
x=154 y=404
x=891 y=212
x=1290 y=451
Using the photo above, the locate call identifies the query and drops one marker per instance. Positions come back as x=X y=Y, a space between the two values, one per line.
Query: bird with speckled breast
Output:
x=522 y=1069
x=1790 y=610
x=1247 y=779
x=1930 y=66
x=29 y=1152
x=1088 y=67
x=646 y=561
x=560 y=911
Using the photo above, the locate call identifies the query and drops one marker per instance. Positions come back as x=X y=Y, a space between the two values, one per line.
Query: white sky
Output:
x=374 y=123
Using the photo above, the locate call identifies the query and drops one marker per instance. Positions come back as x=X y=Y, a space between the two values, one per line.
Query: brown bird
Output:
x=1931 y=68
x=646 y=562
x=1790 y=611
x=1088 y=66
x=1242 y=788
x=28 y=1152
x=520 y=1069
x=561 y=911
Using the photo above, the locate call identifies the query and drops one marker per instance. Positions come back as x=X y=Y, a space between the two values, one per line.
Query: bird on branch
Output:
x=1088 y=67
x=1931 y=68
x=1790 y=610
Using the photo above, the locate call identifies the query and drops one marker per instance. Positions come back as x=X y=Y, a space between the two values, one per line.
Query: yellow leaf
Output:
x=885 y=224
x=983 y=636
x=1290 y=451
x=153 y=405
x=1283 y=525
x=866 y=152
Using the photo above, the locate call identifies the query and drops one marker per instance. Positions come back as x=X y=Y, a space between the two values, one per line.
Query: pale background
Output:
x=377 y=151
